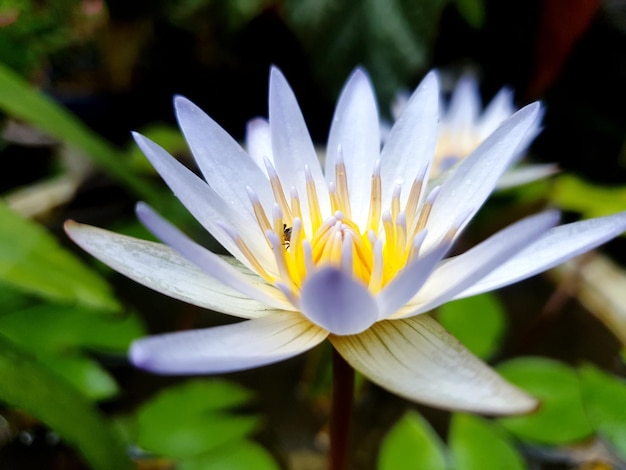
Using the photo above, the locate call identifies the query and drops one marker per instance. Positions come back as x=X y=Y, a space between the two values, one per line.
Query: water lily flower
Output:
x=355 y=253
x=464 y=125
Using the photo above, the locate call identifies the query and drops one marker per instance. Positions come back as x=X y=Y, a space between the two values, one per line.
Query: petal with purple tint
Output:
x=499 y=109
x=337 y=302
x=472 y=181
x=410 y=146
x=526 y=174
x=229 y=348
x=464 y=106
x=209 y=262
x=356 y=130
x=225 y=165
x=418 y=360
x=556 y=246
x=159 y=267
x=205 y=205
x=291 y=143
x=460 y=272
x=409 y=281
x=259 y=142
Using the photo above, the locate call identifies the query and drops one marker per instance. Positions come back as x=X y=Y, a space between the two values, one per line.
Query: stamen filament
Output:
x=247 y=253
x=277 y=190
x=425 y=211
x=259 y=212
x=311 y=194
x=341 y=181
x=373 y=217
x=415 y=195
x=296 y=211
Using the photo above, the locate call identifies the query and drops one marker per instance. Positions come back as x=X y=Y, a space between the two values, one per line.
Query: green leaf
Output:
x=19 y=99
x=83 y=373
x=28 y=385
x=191 y=419
x=242 y=455
x=32 y=259
x=62 y=333
x=561 y=419
x=473 y=11
x=62 y=328
x=412 y=443
x=477 y=444
x=574 y=194
x=478 y=322
x=604 y=396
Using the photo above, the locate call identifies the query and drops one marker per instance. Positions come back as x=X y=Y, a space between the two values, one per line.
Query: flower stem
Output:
x=343 y=392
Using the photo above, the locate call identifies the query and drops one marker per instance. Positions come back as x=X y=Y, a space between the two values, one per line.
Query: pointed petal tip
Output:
x=430 y=81
x=276 y=75
x=183 y=105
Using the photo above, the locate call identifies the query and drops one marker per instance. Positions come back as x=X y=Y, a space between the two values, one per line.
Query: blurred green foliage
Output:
x=412 y=443
x=33 y=260
x=476 y=444
x=561 y=418
x=479 y=322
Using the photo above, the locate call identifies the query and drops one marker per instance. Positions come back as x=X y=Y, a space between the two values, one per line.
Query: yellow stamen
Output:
x=341 y=182
x=277 y=190
x=373 y=217
x=311 y=194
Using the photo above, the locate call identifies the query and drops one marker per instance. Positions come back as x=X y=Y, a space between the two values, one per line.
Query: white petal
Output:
x=159 y=267
x=464 y=270
x=337 y=302
x=356 y=129
x=225 y=165
x=558 y=245
x=526 y=174
x=229 y=348
x=464 y=105
x=497 y=111
x=291 y=143
x=410 y=145
x=209 y=262
x=205 y=205
x=418 y=360
x=259 y=142
x=473 y=180
x=409 y=281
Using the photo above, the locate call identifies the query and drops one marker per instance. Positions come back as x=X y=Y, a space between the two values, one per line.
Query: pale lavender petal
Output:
x=410 y=146
x=558 y=245
x=206 y=205
x=259 y=142
x=337 y=302
x=356 y=130
x=209 y=262
x=466 y=269
x=159 y=267
x=464 y=105
x=409 y=281
x=291 y=143
x=225 y=165
x=229 y=348
x=473 y=180
x=499 y=109
x=418 y=360
x=526 y=174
